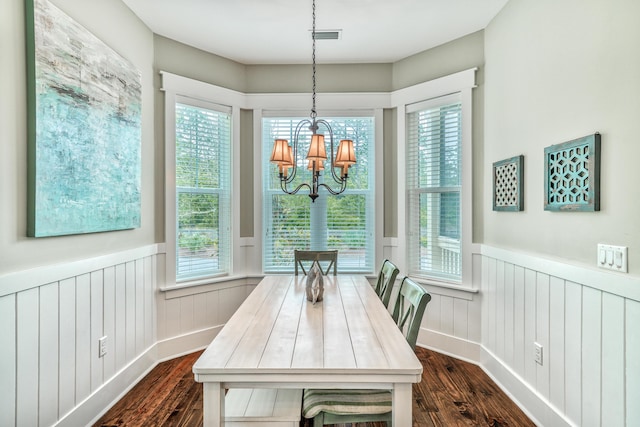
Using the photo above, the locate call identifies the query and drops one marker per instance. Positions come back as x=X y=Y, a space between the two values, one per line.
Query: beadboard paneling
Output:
x=189 y=318
x=573 y=352
x=83 y=338
x=585 y=327
x=49 y=364
x=632 y=360
x=67 y=342
x=8 y=332
x=27 y=333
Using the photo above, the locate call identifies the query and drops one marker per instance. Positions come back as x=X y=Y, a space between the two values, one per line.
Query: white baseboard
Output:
x=537 y=408
x=110 y=392
x=466 y=350
x=100 y=401
x=187 y=343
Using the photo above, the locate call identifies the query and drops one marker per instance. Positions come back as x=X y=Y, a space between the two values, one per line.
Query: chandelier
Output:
x=286 y=156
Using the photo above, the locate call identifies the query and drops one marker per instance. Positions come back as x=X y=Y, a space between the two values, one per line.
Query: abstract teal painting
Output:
x=84 y=129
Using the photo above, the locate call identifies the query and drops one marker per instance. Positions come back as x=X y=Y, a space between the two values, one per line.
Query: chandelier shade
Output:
x=286 y=156
x=317 y=150
x=346 y=154
x=281 y=153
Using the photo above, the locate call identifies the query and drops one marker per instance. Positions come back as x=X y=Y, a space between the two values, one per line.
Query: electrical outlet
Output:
x=102 y=346
x=537 y=353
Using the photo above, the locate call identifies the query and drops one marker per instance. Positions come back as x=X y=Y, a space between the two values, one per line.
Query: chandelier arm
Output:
x=332 y=191
x=283 y=186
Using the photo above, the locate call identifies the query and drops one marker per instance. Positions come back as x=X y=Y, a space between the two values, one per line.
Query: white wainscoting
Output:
x=52 y=317
x=51 y=320
x=585 y=319
x=189 y=318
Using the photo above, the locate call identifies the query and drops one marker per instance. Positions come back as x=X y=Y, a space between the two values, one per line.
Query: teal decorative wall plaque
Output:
x=84 y=132
x=572 y=175
x=508 y=184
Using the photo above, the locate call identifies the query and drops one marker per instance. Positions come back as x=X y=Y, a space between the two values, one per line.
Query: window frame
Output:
x=463 y=84
x=435 y=190
x=372 y=182
x=176 y=89
x=222 y=192
x=332 y=104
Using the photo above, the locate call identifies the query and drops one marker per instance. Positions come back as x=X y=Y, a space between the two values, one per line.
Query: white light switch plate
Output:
x=612 y=257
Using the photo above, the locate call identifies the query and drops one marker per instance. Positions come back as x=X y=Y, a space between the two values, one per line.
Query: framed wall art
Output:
x=572 y=175
x=508 y=184
x=84 y=129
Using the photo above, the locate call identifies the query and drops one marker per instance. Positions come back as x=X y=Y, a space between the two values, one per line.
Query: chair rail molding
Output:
x=18 y=281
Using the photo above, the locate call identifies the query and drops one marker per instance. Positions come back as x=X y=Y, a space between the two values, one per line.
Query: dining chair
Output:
x=338 y=406
x=386 y=279
x=330 y=256
x=409 y=309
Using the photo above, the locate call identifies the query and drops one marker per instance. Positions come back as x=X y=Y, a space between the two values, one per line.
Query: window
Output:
x=202 y=180
x=344 y=222
x=434 y=183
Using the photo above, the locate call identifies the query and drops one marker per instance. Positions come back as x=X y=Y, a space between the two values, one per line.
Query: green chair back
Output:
x=409 y=309
x=335 y=406
x=386 y=279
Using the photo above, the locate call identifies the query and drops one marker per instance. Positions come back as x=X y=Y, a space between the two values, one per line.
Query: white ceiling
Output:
x=279 y=31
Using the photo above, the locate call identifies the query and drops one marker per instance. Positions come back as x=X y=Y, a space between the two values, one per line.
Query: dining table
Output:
x=279 y=339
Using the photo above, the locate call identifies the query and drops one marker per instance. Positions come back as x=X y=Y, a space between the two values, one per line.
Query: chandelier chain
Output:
x=313 y=60
x=286 y=156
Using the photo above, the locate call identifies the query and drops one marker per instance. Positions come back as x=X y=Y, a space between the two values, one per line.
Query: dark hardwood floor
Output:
x=451 y=393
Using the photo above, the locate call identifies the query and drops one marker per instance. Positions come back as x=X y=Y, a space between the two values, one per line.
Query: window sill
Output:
x=193 y=287
x=447 y=289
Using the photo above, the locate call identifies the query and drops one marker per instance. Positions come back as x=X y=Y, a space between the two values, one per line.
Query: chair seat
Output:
x=345 y=402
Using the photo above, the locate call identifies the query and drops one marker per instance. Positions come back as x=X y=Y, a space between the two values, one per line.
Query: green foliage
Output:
x=200 y=135
x=198 y=210
x=194 y=242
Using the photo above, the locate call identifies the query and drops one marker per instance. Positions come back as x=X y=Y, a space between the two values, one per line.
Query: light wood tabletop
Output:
x=278 y=339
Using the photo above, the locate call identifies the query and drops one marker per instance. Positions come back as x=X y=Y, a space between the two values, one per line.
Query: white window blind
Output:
x=203 y=148
x=434 y=177
x=344 y=222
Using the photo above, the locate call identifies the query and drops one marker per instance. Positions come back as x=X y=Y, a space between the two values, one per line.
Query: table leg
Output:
x=213 y=404
x=402 y=405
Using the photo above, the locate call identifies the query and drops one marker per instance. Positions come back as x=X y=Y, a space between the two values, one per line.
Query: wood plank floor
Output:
x=451 y=393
